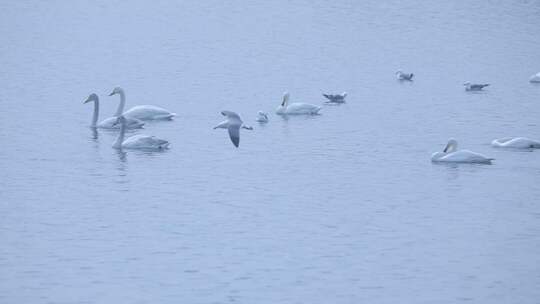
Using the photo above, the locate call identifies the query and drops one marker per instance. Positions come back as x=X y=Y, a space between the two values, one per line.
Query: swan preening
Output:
x=142 y=142
x=233 y=123
x=516 y=143
x=450 y=154
x=337 y=98
x=145 y=112
x=296 y=108
x=400 y=75
x=474 y=86
x=535 y=78
x=262 y=117
x=109 y=123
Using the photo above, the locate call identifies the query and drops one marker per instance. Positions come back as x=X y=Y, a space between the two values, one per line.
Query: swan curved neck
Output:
x=122 y=104
x=96 y=113
x=121 y=134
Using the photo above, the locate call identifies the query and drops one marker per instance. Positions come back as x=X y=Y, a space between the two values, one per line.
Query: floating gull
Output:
x=451 y=155
x=262 y=117
x=516 y=143
x=109 y=123
x=338 y=98
x=404 y=76
x=233 y=123
x=474 y=86
x=296 y=108
x=145 y=112
x=143 y=142
x=535 y=78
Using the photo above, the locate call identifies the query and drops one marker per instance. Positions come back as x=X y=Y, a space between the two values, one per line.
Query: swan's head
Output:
x=92 y=97
x=117 y=90
x=451 y=146
x=285 y=99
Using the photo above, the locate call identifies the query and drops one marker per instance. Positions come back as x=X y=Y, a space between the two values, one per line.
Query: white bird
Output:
x=233 y=123
x=451 y=155
x=535 y=78
x=142 y=142
x=474 y=86
x=296 y=108
x=109 y=123
x=404 y=76
x=516 y=143
x=337 y=98
x=262 y=117
x=145 y=112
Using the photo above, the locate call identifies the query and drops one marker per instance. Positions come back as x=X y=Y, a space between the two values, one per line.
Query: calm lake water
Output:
x=344 y=207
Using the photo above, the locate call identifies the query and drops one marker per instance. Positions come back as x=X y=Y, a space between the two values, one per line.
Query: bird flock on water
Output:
x=135 y=118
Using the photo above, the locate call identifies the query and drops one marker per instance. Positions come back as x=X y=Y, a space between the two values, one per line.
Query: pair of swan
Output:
x=134 y=116
x=450 y=154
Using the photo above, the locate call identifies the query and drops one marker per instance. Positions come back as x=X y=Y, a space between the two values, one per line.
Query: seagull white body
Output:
x=451 y=155
x=296 y=108
x=144 y=112
x=142 y=142
x=535 y=78
x=109 y=123
x=516 y=143
x=233 y=123
x=262 y=117
x=404 y=76
x=337 y=98
x=474 y=86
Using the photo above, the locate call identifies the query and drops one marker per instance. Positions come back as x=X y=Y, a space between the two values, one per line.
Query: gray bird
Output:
x=404 y=76
x=233 y=123
x=338 y=98
x=474 y=86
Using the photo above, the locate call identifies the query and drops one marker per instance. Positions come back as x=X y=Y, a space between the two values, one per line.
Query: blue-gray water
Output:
x=344 y=207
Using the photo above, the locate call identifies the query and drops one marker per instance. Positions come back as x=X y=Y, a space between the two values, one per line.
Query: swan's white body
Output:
x=144 y=112
x=262 y=117
x=109 y=123
x=535 y=78
x=516 y=143
x=233 y=123
x=296 y=108
x=404 y=76
x=143 y=142
x=451 y=155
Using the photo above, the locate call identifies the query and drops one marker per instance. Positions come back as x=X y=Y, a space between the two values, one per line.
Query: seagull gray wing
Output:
x=234 y=134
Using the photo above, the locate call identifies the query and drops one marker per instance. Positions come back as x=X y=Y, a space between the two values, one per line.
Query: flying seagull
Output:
x=233 y=123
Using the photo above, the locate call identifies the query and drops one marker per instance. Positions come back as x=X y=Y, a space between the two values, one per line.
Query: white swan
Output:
x=516 y=143
x=535 y=78
x=404 y=76
x=474 y=86
x=143 y=142
x=146 y=112
x=109 y=123
x=451 y=155
x=233 y=123
x=262 y=117
x=296 y=108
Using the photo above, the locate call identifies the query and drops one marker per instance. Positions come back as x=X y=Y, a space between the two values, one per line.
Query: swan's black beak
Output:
x=86 y=101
